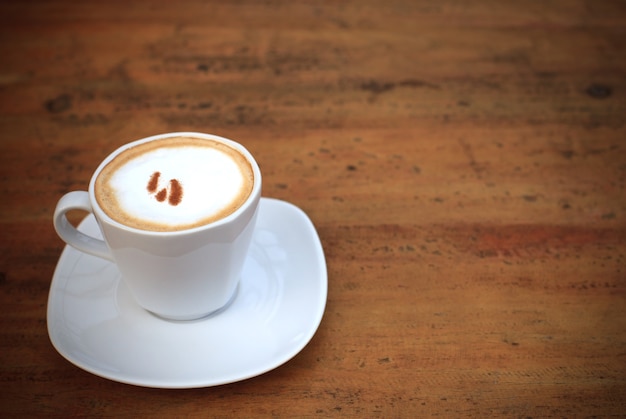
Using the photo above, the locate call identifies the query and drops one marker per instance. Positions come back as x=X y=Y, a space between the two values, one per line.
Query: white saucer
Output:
x=94 y=323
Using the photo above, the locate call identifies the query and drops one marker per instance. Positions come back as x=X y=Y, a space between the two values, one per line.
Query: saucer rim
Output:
x=71 y=255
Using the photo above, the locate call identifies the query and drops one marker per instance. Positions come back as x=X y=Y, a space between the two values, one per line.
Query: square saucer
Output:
x=95 y=324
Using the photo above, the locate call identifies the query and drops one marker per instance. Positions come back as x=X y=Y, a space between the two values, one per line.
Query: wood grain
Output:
x=463 y=162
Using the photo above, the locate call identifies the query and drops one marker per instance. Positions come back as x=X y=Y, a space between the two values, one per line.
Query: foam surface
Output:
x=174 y=187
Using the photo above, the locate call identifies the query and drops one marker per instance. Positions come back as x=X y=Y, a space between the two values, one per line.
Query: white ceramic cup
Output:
x=177 y=275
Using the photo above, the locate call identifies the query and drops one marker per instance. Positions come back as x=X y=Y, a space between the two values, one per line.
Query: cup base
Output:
x=201 y=317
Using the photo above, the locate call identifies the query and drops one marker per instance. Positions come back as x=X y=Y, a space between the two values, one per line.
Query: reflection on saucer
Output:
x=95 y=324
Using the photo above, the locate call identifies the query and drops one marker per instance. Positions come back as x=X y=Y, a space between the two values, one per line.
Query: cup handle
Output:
x=78 y=200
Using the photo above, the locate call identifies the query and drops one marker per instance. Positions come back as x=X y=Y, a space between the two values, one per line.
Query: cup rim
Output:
x=255 y=194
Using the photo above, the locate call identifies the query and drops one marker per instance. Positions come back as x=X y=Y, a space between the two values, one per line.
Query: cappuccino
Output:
x=174 y=184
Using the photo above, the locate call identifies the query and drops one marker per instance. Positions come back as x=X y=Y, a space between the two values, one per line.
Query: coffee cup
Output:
x=177 y=212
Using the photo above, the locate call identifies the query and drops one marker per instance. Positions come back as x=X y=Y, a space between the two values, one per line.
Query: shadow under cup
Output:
x=184 y=276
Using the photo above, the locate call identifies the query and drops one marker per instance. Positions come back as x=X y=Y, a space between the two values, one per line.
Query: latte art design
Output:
x=173 y=193
x=174 y=184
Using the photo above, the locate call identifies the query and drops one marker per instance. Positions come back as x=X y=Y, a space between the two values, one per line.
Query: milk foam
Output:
x=210 y=180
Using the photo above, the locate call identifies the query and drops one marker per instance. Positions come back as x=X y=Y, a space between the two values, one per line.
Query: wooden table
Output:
x=464 y=164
